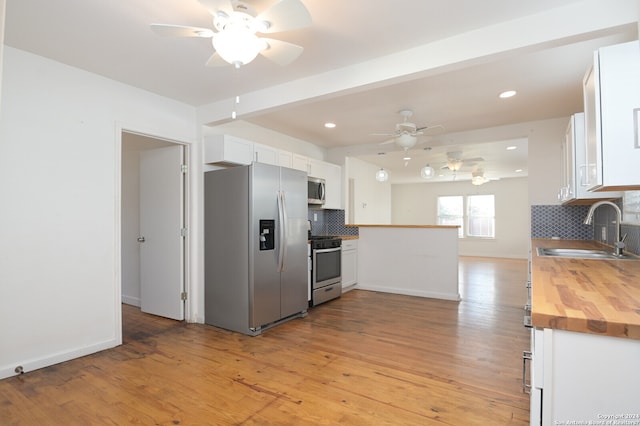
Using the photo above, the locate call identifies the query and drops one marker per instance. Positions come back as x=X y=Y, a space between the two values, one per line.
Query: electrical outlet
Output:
x=603 y=233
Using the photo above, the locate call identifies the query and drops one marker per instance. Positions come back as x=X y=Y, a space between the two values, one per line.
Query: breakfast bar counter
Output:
x=416 y=260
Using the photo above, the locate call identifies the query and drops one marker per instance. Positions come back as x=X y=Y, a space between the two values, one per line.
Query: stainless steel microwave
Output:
x=316 y=188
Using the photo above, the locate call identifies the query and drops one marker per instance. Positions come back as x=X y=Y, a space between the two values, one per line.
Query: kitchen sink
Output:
x=583 y=254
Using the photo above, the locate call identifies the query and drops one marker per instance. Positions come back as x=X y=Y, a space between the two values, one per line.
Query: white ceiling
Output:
x=113 y=39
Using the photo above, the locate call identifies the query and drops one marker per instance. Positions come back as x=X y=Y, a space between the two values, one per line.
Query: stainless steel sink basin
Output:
x=583 y=254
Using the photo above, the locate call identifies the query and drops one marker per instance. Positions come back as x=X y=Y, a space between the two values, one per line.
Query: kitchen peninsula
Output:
x=416 y=260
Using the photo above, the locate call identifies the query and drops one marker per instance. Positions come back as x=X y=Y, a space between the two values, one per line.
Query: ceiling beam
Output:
x=575 y=22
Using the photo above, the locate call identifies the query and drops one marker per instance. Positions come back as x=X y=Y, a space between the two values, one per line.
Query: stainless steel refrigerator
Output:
x=255 y=247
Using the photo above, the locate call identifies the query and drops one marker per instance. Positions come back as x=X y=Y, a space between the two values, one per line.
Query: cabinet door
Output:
x=593 y=173
x=333 y=179
x=285 y=159
x=225 y=149
x=317 y=168
x=568 y=189
x=265 y=154
x=576 y=136
x=349 y=263
x=612 y=111
x=300 y=162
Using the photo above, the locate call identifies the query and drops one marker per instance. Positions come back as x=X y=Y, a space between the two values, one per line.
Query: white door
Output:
x=161 y=242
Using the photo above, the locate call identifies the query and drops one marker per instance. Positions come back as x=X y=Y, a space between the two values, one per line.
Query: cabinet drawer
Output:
x=329 y=292
x=349 y=245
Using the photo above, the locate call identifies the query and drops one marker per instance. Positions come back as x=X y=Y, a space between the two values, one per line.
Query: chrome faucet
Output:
x=619 y=242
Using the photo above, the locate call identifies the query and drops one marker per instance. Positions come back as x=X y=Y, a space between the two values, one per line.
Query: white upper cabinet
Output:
x=333 y=179
x=227 y=150
x=612 y=116
x=285 y=158
x=574 y=164
x=266 y=154
x=300 y=162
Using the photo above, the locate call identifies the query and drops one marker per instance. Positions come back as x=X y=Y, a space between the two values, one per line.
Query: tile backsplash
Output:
x=329 y=222
x=566 y=222
x=560 y=221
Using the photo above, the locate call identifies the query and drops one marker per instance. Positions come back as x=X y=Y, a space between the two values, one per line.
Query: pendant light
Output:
x=427 y=172
x=382 y=175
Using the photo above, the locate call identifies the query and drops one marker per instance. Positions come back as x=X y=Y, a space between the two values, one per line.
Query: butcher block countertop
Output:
x=585 y=295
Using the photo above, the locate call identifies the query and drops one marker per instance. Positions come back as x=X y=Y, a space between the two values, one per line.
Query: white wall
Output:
x=59 y=168
x=370 y=199
x=545 y=160
x=416 y=204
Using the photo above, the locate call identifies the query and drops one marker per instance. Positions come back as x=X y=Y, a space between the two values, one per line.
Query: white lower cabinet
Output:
x=349 y=264
x=582 y=378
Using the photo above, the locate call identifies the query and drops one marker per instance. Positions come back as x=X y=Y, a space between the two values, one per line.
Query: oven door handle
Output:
x=329 y=250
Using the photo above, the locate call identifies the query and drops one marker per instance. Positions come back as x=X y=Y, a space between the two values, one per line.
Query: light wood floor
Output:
x=364 y=359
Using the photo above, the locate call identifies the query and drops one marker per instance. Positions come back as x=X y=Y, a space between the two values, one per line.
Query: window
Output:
x=481 y=216
x=474 y=214
x=451 y=212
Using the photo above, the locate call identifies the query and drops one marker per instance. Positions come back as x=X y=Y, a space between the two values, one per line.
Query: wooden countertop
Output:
x=585 y=295
x=406 y=226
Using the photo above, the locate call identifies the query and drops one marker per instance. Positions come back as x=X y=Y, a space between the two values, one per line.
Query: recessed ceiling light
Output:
x=518 y=170
x=511 y=148
x=329 y=125
x=507 y=94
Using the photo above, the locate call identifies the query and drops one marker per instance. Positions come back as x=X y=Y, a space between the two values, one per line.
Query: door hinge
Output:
x=183 y=295
x=183 y=232
x=183 y=168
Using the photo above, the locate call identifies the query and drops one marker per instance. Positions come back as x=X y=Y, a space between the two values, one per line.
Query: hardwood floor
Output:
x=364 y=359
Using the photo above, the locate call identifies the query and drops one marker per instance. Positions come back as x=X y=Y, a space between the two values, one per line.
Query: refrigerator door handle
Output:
x=282 y=245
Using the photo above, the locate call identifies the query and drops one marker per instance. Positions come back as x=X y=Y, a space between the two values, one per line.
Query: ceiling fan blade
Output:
x=472 y=160
x=216 y=60
x=281 y=52
x=215 y=5
x=180 y=31
x=387 y=142
x=427 y=128
x=285 y=15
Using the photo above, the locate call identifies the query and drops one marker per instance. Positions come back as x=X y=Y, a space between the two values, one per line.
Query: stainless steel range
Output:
x=326 y=268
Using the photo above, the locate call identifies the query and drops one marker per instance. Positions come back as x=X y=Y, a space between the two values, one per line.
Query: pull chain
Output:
x=234 y=82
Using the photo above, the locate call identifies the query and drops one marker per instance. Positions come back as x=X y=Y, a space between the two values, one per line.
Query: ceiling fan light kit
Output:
x=406 y=140
x=236 y=25
x=238 y=45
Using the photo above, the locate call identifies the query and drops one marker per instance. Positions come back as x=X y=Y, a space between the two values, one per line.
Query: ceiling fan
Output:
x=406 y=133
x=235 y=26
x=455 y=162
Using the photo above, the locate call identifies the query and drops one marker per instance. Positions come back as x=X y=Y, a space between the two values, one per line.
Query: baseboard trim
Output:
x=46 y=361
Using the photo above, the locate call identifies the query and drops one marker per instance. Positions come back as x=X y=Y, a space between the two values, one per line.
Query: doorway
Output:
x=153 y=225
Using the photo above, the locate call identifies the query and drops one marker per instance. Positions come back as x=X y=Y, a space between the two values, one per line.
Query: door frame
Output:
x=187 y=207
